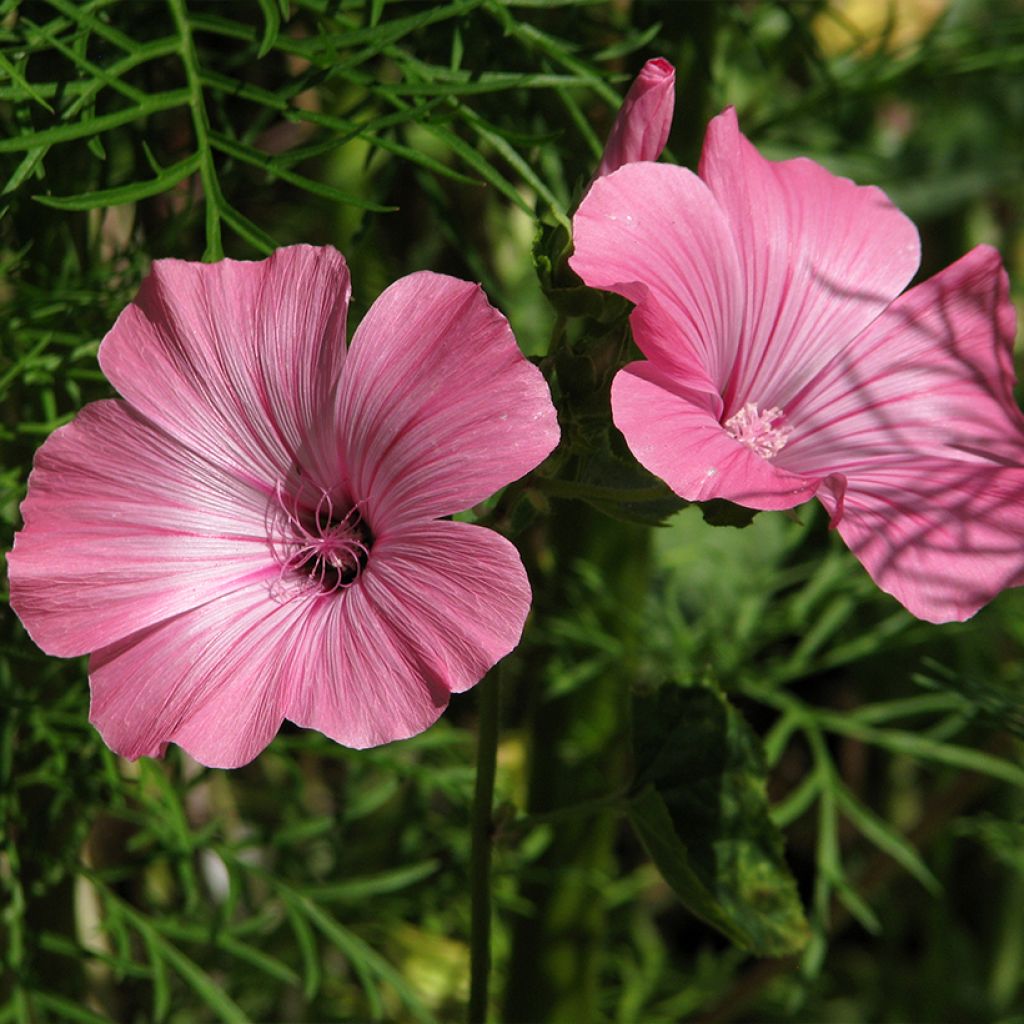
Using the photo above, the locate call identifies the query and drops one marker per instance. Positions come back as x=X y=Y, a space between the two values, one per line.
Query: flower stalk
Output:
x=480 y=850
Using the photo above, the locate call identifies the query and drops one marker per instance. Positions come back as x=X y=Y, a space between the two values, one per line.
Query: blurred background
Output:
x=319 y=883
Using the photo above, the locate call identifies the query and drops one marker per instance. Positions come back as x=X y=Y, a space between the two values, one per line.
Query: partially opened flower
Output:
x=783 y=363
x=254 y=534
x=642 y=125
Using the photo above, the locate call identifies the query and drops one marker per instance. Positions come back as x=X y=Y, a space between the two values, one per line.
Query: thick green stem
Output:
x=480 y=853
x=578 y=748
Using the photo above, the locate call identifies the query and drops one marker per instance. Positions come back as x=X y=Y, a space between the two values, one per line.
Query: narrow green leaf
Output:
x=354 y=889
x=245 y=229
x=366 y=959
x=307 y=948
x=926 y=748
x=271 y=26
x=25 y=168
x=65 y=1009
x=91 y=126
x=23 y=83
x=158 y=967
x=200 y=982
x=469 y=155
x=131 y=193
x=266 y=163
x=700 y=809
x=522 y=166
x=887 y=839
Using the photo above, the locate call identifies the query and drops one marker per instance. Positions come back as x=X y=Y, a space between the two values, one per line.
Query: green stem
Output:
x=480 y=852
x=201 y=126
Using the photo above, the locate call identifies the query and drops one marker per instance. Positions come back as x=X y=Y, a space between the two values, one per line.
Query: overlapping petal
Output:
x=657 y=236
x=439 y=604
x=821 y=257
x=238 y=360
x=211 y=680
x=125 y=527
x=918 y=416
x=932 y=376
x=675 y=434
x=944 y=538
x=438 y=407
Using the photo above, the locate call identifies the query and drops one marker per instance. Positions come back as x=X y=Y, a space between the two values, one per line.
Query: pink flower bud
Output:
x=641 y=128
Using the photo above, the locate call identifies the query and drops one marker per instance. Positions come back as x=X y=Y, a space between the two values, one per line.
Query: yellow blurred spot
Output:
x=866 y=26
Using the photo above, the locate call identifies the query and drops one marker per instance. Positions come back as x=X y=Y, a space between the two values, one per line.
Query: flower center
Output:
x=325 y=547
x=755 y=430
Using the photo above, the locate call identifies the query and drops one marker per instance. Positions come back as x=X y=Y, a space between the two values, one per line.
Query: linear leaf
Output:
x=23 y=83
x=91 y=126
x=881 y=833
x=130 y=193
x=201 y=983
x=266 y=163
x=271 y=26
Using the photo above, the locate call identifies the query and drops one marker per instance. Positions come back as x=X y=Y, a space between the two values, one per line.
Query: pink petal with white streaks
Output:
x=644 y=120
x=933 y=375
x=125 y=527
x=438 y=605
x=943 y=537
x=821 y=258
x=438 y=406
x=210 y=680
x=918 y=415
x=676 y=435
x=237 y=360
x=656 y=235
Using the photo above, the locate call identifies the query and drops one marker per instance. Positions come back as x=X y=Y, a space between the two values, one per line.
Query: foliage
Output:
x=322 y=883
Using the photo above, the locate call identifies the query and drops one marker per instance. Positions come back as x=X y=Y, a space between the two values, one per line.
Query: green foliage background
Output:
x=324 y=884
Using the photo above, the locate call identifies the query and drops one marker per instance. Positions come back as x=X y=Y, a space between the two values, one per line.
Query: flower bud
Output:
x=641 y=128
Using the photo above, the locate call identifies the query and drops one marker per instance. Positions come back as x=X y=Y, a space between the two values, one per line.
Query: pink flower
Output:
x=783 y=363
x=644 y=119
x=255 y=533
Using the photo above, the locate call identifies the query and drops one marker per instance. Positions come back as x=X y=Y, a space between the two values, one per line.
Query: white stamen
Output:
x=755 y=430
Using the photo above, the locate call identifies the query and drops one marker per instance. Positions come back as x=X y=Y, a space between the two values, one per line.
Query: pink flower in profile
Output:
x=783 y=363
x=642 y=125
x=254 y=534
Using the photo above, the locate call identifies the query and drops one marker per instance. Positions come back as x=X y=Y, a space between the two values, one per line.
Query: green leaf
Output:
x=91 y=126
x=131 y=193
x=271 y=26
x=16 y=76
x=700 y=809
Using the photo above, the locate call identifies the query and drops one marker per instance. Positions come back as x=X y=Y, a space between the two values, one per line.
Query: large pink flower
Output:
x=783 y=363
x=255 y=533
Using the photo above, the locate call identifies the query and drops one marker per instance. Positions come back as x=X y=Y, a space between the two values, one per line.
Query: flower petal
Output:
x=210 y=680
x=438 y=406
x=239 y=361
x=437 y=606
x=943 y=537
x=655 y=235
x=821 y=257
x=918 y=415
x=644 y=119
x=675 y=434
x=125 y=527
x=933 y=375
